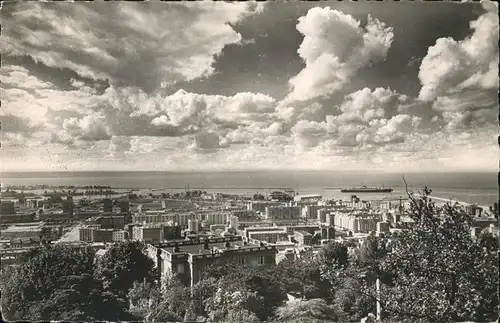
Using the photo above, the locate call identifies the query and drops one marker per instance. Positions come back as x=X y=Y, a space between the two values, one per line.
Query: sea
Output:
x=480 y=188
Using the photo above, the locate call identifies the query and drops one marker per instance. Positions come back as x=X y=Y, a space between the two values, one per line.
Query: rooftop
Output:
x=304 y=233
x=298 y=197
x=194 y=247
x=20 y=228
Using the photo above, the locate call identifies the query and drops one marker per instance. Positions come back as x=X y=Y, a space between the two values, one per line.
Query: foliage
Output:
x=303 y=277
x=240 y=316
x=175 y=298
x=334 y=252
x=441 y=273
x=162 y=314
x=254 y=285
x=80 y=298
x=202 y=292
x=370 y=255
x=122 y=265
x=57 y=283
x=225 y=301
x=142 y=297
x=354 y=296
x=312 y=310
x=190 y=313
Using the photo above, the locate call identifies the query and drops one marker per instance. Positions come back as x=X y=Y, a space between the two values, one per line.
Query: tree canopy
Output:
x=440 y=271
x=122 y=265
x=57 y=283
x=313 y=310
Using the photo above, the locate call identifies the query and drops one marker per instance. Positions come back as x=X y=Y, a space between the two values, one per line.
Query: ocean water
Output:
x=481 y=188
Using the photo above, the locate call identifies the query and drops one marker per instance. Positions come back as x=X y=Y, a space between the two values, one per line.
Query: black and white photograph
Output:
x=249 y=161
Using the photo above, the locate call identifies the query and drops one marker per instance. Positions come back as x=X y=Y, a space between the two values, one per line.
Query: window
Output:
x=260 y=260
x=241 y=261
x=180 y=268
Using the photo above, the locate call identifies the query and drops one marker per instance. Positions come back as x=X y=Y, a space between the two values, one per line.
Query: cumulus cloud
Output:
x=145 y=45
x=367 y=119
x=461 y=77
x=334 y=48
x=18 y=76
x=205 y=140
x=136 y=124
x=16 y=124
x=132 y=112
x=88 y=128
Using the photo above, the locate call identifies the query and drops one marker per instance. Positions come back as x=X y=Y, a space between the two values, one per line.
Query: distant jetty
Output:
x=365 y=189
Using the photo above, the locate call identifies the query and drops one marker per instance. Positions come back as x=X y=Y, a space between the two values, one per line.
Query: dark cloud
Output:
x=60 y=77
x=16 y=124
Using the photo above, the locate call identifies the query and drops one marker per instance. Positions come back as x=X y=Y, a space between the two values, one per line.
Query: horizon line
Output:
x=247 y=170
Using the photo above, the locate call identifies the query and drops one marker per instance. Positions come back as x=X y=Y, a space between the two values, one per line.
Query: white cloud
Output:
x=77 y=84
x=88 y=128
x=205 y=140
x=461 y=77
x=334 y=48
x=18 y=76
x=141 y=127
x=146 y=45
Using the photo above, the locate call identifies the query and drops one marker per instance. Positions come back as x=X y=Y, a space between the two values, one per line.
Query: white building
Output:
x=307 y=199
x=356 y=223
x=310 y=211
x=193 y=225
x=217 y=218
x=234 y=222
x=260 y=206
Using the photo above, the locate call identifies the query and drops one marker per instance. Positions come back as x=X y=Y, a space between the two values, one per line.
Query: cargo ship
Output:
x=365 y=189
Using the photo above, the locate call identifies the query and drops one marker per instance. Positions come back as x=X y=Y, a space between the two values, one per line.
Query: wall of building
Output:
x=283 y=212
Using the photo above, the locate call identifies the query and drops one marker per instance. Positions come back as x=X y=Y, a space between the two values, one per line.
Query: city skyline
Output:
x=229 y=86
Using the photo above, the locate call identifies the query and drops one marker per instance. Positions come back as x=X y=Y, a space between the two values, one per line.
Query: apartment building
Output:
x=111 y=221
x=217 y=218
x=283 y=212
x=307 y=199
x=162 y=217
x=119 y=235
x=148 y=233
x=260 y=206
x=311 y=211
x=356 y=223
x=269 y=236
x=303 y=238
x=188 y=259
x=7 y=207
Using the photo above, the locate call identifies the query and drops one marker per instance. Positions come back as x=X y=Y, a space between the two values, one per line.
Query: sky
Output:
x=344 y=86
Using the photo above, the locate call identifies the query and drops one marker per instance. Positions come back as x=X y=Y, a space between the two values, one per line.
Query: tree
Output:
x=370 y=255
x=303 y=277
x=312 y=310
x=334 y=252
x=256 y=285
x=190 y=313
x=440 y=272
x=175 y=299
x=56 y=283
x=143 y=297
x=226 y=301
x=240 y=316
x=122 y=265
x=162 y=314
x=355 y=296
x=81 y=298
